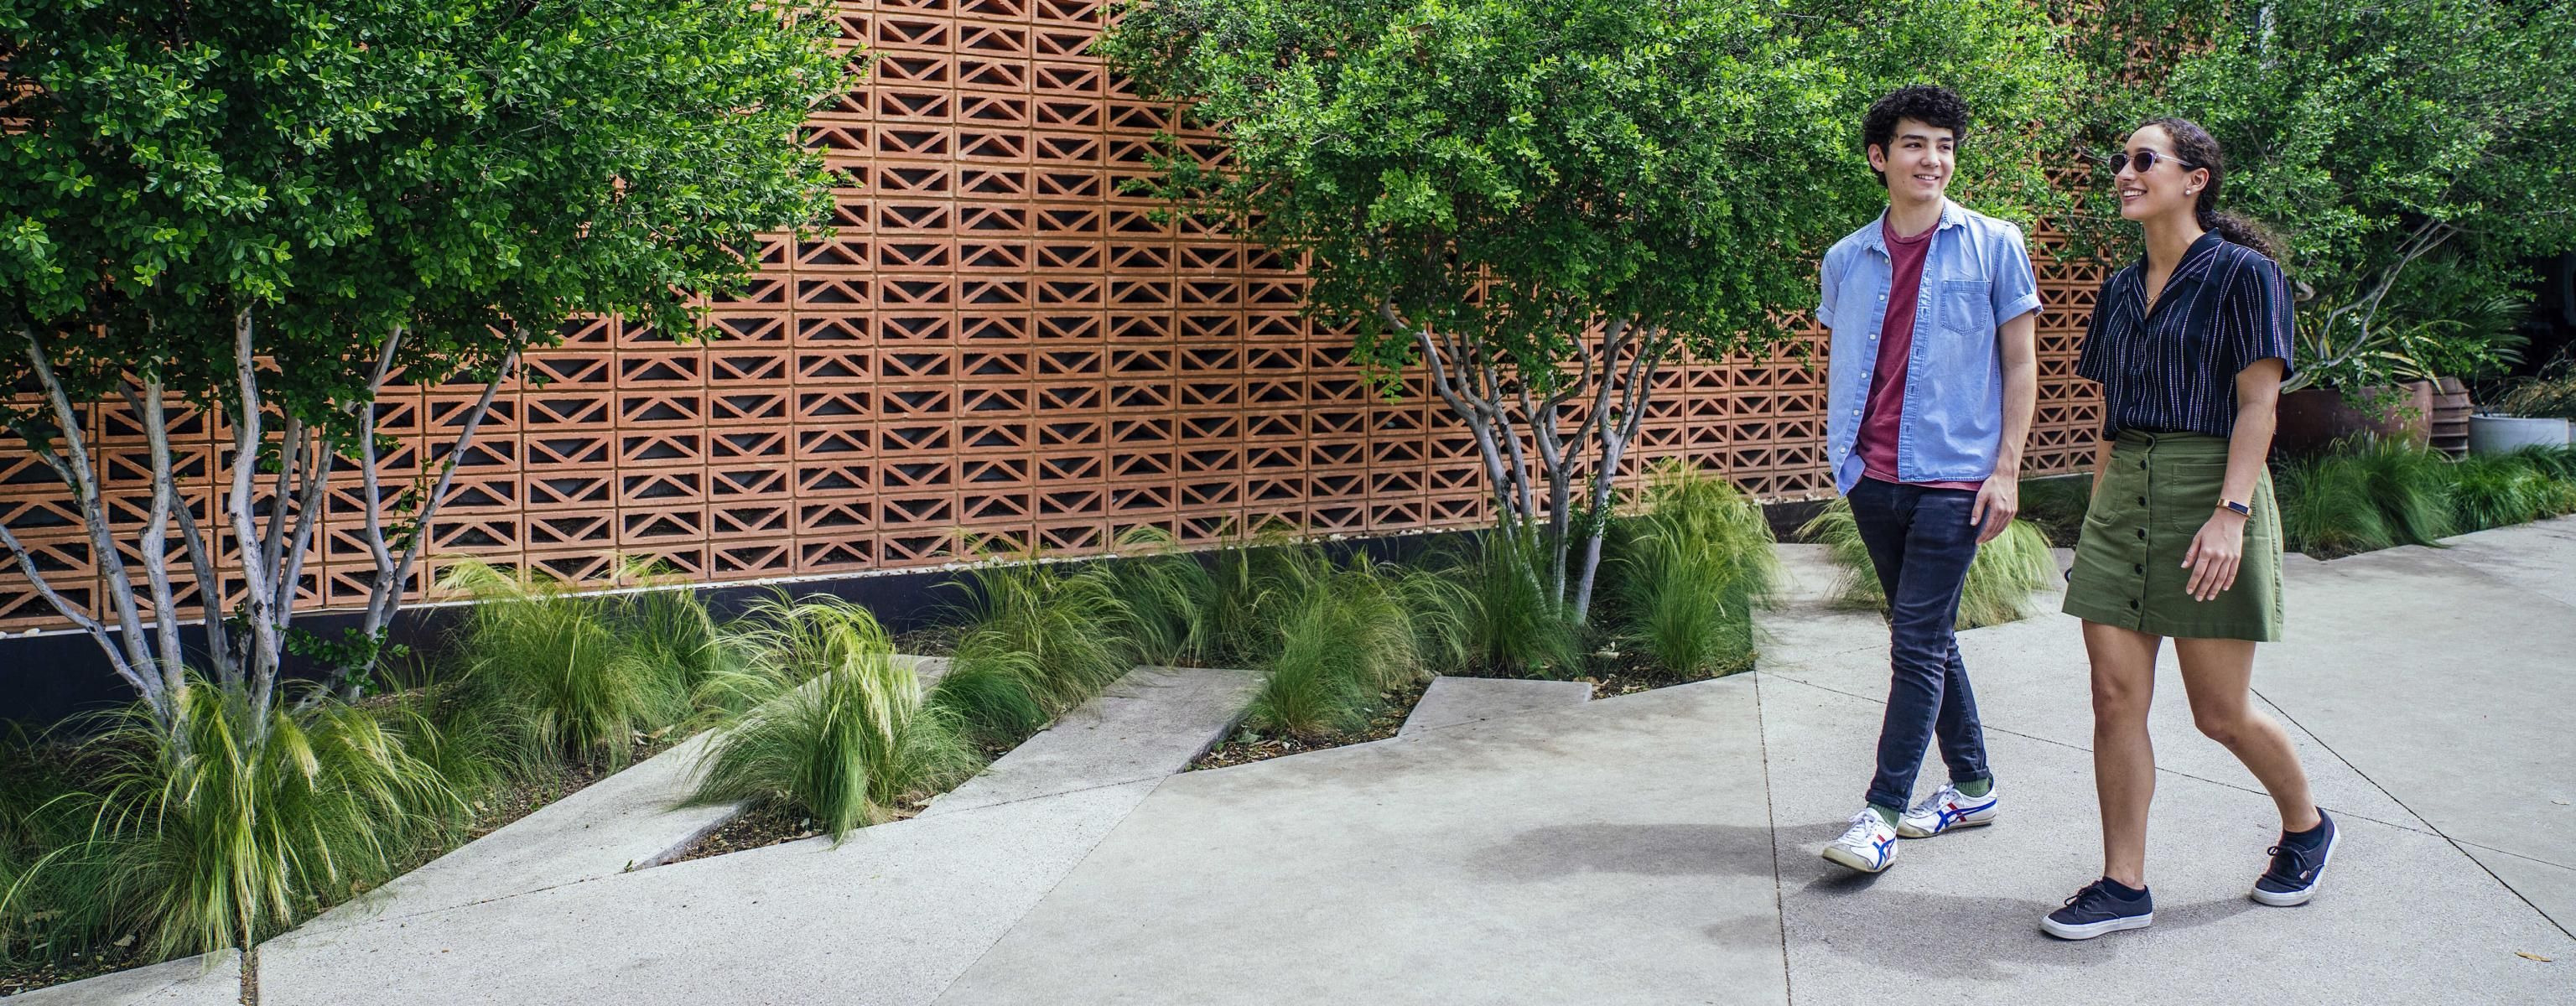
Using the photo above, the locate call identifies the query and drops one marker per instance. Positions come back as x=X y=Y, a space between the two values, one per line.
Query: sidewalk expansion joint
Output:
x=1059 y=880
x=1771 y=819
x=2429 y=827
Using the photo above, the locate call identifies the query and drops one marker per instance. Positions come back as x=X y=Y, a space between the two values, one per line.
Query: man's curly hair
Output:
x=1929 y=104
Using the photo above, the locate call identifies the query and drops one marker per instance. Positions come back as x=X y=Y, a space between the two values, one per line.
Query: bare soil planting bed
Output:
x=1247 y=745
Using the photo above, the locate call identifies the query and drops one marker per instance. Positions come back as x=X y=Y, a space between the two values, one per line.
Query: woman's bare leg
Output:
x=2218 y=674
x=2124 y=759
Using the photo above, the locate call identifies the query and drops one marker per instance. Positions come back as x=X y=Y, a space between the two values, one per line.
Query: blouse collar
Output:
x=2194 y=267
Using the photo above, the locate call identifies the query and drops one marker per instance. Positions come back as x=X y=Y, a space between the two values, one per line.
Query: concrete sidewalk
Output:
x=1661 y=848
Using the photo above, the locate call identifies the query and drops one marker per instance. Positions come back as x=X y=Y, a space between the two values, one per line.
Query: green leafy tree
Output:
x=1543 y=203
x=2412 y=154
x=250 y=217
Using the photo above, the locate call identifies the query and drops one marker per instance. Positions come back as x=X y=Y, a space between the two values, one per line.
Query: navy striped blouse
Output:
x=2173 y=369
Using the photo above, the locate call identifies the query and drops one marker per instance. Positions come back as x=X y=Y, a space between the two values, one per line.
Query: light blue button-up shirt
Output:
x=1976 y=276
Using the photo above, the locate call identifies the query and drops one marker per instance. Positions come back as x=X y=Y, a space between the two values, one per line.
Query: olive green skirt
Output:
x=2160 y=489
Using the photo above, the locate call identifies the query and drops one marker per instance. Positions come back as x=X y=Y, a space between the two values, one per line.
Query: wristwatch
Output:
x=2240 y=509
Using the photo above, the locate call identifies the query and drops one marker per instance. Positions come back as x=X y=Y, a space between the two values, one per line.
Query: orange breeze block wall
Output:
x=996 y=351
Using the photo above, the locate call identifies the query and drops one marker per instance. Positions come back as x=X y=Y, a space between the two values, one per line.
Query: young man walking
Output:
x=1932 y=379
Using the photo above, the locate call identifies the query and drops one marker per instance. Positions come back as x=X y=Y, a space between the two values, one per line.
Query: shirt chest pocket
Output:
x=1966 y=306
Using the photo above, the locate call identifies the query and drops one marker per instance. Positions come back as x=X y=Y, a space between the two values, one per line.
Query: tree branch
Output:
x=210 y=599
x=85 y=487
x=150 y=405
x=367 y=473
x=2364 y=310
x=290 y=459
x=317 y=482
x=63 y=605
x=1614 y=448
x=1478 y=419
x=387 y=591
x=264 y=642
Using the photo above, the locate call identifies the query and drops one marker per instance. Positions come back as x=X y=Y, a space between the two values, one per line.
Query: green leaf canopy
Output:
x=1520 y=169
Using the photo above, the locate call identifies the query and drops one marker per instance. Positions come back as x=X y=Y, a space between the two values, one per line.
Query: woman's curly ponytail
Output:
x=2197 y=149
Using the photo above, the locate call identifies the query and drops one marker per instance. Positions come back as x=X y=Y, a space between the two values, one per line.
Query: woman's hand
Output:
x=2215 y=554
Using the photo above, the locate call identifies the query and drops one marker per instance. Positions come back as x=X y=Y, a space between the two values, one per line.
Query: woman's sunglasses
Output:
x=2144 y=161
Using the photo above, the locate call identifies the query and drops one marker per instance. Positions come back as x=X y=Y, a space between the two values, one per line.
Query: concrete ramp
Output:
x=889 y=916
x=1616 y=852
x=1450 y=702
x=1146 y=726
x=628 y=821
x=204 y=980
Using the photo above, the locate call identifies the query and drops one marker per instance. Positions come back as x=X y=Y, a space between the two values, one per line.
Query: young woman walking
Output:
x=2182 y=541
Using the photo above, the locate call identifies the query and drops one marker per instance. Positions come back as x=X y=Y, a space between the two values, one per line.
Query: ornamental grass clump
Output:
x=43 y=915
x=2558 y=462
x=1255 y=588
x=1513 y=624
x=1690 y=571
x=2327 y=509
x=1347 y=634
x=1329 y=638
x=1058 y=627
x=2006 y=574
x=556 y=676
x=848 y=741
x=668 y=627
x=2499 y=490
x=2001 y=580
x=2409 y=484
x=1314 y=685
x=1168 y=595
x=235 y=824
x=990 y=703
x=2370 y=493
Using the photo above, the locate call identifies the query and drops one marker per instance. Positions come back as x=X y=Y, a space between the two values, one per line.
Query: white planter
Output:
x=2505 y=434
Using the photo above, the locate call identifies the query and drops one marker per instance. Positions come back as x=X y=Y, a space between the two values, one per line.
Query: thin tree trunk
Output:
x=256 y=582
x=201 y=561
x=210 y=599
x=385 y=595
x=1556 y=463
x=290 y=460
x=1446 y=386
x=1633 y=395
x=156 y=433
x=132 y=657
x=309 y=507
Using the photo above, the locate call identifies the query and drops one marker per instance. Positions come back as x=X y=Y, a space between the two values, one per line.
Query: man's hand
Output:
x=1997 y=501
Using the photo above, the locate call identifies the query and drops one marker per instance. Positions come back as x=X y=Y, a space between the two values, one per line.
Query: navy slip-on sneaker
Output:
x=2095 y=910
x=2296 y=868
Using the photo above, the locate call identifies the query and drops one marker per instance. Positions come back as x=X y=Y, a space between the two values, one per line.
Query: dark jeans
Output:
x=1921 y=543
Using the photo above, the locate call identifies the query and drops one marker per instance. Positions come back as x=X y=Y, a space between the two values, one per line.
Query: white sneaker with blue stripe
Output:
x=1947 y=809
x=1869 y=845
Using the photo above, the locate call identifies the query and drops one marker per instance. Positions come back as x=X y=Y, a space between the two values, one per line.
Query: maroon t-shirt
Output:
x=1885 y=410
